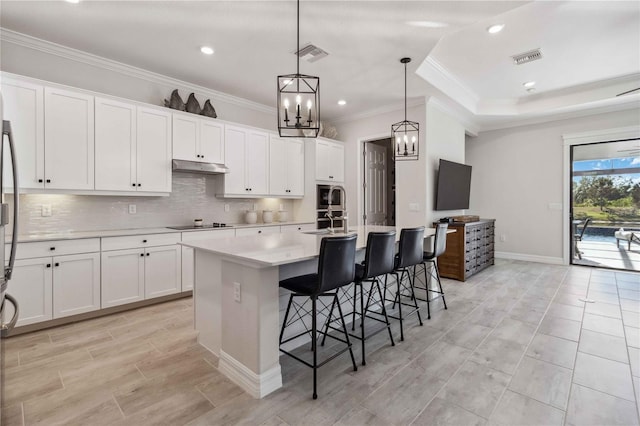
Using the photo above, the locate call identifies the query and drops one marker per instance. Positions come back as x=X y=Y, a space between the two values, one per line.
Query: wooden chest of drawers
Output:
x=469 y=250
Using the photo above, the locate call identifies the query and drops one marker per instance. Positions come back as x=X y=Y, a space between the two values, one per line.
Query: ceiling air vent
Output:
x=523 y=58
x=311 y=53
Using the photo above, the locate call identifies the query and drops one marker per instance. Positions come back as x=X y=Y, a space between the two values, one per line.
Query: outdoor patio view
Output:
x=606 y=205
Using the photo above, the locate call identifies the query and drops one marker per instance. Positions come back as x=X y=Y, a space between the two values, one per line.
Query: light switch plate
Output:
x=132 y=209
x=226 y=208
x=414 y=207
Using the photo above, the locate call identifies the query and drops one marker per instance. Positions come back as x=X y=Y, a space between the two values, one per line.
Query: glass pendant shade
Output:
x=298 y=102
x=405 y=134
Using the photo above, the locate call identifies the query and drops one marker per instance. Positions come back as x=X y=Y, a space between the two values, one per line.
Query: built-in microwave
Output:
x=323 y=198
x=324 y=222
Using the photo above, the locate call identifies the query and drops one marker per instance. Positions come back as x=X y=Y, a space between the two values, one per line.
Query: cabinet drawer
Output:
x=208 y=235
x=241 y=232
x=139 y=241
x=54 y=248
x=297 y=228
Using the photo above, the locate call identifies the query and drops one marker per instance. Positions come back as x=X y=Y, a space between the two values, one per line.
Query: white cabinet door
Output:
x=162 y=271
x=278 y=164
x=122 y=277
x=235 y=140
x=153 y=156
x=115 y=139
x=211 y=149
x=336 y=162
x=76 y=284
x=322 y=160
x=24 y=107
x=69 y=139
x=187 y=252
x=31 y=285
x=295 y=167
x=186 y=136
x=257 y=162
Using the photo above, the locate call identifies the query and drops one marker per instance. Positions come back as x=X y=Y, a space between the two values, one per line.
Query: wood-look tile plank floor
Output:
x=516 y=346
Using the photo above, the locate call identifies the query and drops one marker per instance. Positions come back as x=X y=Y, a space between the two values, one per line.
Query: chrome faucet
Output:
x=343 y=201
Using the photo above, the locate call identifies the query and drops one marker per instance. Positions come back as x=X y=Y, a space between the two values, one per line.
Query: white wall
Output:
x=445 y=140
x=518 y=172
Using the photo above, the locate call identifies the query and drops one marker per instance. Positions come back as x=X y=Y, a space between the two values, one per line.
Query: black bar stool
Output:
x=431 y=257
x=378 y=261
x=336 y=268
x=410 y=254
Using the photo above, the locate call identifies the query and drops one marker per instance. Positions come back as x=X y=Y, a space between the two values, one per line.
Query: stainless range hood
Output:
x=198 y=167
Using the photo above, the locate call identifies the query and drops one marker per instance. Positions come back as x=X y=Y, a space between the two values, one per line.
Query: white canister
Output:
x=267 y=216
x=283 y=216
x=251 y=216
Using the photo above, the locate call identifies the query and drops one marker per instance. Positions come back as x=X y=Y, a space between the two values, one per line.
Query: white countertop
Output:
x=73 y=235
x=281 y=249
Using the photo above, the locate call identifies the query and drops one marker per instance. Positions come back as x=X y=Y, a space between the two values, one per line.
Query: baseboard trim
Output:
x=256 y=385
x=529 y=258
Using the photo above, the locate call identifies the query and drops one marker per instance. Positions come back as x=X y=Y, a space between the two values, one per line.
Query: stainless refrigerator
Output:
x=8 y=306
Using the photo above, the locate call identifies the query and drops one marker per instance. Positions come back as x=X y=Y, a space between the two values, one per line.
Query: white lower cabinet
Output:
x=161 y=271
x=31 y=285
x=262 y=230
x=122 y=277
x=298 y=228
x=76 y=284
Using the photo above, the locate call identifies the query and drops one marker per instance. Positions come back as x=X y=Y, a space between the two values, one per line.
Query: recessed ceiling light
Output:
x=531 y=89
x=342 y=102
x=428 y=24
x=73 y=1
x=206 y=50
x=494 y=29
x=529 y=84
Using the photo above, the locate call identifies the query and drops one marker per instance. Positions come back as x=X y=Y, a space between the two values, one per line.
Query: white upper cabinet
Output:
x=69 y=139
x=24 y=107
x=133 y=147
x=247 y=157
x=197 y=138
x=115 y=140
x=286 y=167
x=153 y=150
x=329 y=161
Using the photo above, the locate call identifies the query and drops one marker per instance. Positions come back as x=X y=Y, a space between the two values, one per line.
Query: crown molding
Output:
x=379 y=111
x=471 y=127
x=437 y=75
x=602 y=135
x=80 y=56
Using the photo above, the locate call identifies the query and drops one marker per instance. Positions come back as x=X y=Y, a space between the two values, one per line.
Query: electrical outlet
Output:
x=503 y=238
x=132 y=209
x=255 y=207
x=414 y=207
x=46 y=210
x=227 y=208
x=281 y=207
x=236 y=292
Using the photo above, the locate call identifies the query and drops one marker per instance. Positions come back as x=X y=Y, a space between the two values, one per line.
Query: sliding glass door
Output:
x=605 y=205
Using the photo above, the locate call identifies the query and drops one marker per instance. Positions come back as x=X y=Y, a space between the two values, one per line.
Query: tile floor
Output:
x=516 y=346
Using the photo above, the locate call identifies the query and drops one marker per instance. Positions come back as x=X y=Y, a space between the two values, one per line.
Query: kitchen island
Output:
x=236 y=298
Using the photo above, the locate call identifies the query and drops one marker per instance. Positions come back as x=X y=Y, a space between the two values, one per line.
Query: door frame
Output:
x=362 y=180
x=361 y=168
x=583 y=138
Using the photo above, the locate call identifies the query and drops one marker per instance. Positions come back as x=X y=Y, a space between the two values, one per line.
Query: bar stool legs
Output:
x=398 y=299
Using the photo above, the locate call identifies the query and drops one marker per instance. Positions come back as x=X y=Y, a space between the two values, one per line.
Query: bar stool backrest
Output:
x=336 y=263
x=380 y=253
x=411 y=249
x=440 y=242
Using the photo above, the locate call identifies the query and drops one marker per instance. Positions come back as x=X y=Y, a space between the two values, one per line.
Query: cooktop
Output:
x=208 y=226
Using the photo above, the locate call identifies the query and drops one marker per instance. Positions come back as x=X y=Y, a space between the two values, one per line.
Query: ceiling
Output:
x=589 y=48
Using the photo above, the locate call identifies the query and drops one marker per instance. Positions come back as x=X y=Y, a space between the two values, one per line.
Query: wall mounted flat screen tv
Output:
x=454 y=186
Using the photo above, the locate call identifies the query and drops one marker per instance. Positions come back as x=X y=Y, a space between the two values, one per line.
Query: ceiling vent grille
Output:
x=311 y=53
x=523 y=58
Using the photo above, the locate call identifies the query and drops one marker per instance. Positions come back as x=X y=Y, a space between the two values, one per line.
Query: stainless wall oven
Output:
x=322 y=200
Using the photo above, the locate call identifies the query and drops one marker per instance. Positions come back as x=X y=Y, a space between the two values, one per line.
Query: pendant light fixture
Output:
x=298 y=100
x=405 y=134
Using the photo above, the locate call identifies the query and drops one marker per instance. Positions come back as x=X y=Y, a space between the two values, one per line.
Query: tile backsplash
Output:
x=193 y=196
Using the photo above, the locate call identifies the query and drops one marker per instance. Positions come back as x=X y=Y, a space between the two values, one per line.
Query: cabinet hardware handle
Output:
x=48 y=265
x=202 y=156
x=259 y=232
x=144 y=241
x=40 y=180
x=139 y=184
x=57 y=264
x=133 y=184
x=147 y=254
x=48 y=180
x=141 y=254
x=52 y=248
